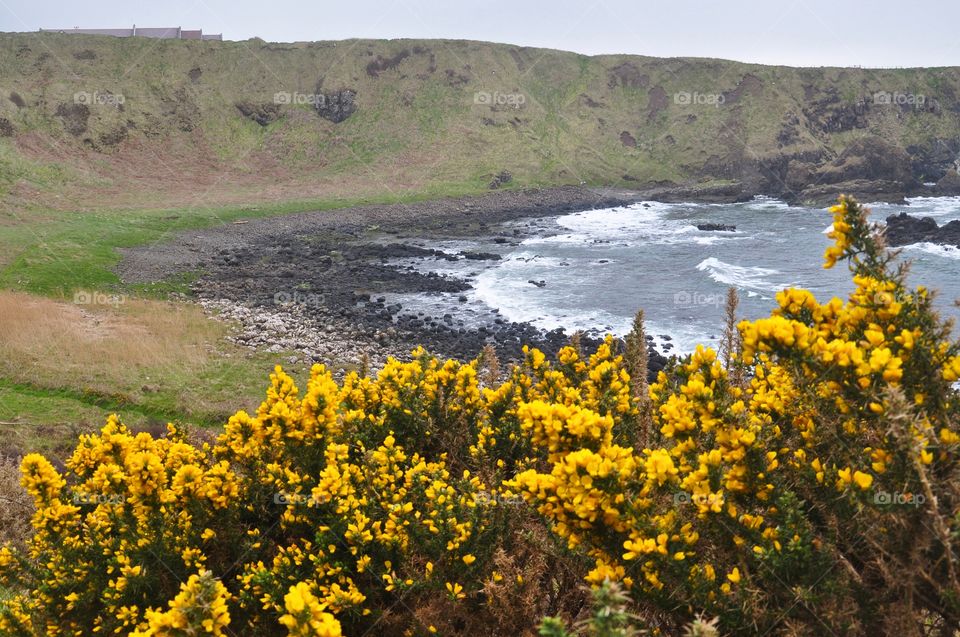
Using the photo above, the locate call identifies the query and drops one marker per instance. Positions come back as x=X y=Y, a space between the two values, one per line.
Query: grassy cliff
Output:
x=89 y=122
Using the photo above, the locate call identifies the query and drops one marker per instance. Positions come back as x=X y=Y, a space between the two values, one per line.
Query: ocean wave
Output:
x=936 y=249
x=516 y=303
x=739 y=276
x=604 y=222
x=519 y=302
x=761 y=202
x=633 y=226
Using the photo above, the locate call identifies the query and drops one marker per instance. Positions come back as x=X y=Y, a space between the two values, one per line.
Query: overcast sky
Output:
x=799 y=33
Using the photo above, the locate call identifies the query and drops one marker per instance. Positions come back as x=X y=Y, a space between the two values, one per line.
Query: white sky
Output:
x=795 y=32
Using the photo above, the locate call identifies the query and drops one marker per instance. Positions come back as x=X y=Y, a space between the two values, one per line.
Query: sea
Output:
x=593 y=270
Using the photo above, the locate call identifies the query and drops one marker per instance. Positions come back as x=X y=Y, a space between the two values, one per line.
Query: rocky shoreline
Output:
x=318 y=283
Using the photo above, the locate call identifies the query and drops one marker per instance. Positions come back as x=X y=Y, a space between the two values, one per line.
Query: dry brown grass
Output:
x=41 y=338
x=148 y=360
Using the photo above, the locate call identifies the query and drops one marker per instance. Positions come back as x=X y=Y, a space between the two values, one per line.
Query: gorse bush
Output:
x=819 y=495
x=805 y=483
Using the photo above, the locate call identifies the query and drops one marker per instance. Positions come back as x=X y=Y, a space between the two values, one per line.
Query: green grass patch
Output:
x=63 y=252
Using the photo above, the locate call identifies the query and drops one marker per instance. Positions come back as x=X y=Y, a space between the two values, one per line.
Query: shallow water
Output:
x=599 y=266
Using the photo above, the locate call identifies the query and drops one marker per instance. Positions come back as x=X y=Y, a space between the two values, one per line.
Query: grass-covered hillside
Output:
x=90 y=122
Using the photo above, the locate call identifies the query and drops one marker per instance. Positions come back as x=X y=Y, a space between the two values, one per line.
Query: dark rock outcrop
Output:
x=263 y=114
x=933 y=160
x=903 y=230
x=866 y=190
x=501 y=178
x=381 y=64
x=704 y=193
x=716 y=227
x=74 y=117
x=870 y=158
x=870 y=167
x=336 y=106
x=480 y=256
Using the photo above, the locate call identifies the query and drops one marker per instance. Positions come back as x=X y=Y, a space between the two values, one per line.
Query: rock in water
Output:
x=715 y=227
x=902 y=229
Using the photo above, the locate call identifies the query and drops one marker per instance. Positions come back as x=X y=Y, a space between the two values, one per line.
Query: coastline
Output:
x=317 y=283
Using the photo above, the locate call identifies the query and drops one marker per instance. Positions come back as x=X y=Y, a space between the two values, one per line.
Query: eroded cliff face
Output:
x=88 y=119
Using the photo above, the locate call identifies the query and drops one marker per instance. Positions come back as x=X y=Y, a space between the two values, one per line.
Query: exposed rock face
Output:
x=181 y=110
x=949 y=184
x=870 y=158
x=381 y=64
x=337 y=106
x=828 y=112
x=903 y=229
x=870 y=167
x=868 y=190
x=74 y=117
x=627 y=75
x=931 y=162
x=262 y=114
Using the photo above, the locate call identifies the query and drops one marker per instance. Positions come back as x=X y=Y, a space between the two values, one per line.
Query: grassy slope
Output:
x=418 y=127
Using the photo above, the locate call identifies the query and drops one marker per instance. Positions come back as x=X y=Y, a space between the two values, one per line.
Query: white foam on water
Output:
x=516 y=303
x=606 y=222
x=938 y=207
x=640 y=224
x=948 y=252
x=569 y=238
x=519 y=301
x=739 y=276
x=761 y=202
